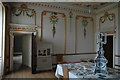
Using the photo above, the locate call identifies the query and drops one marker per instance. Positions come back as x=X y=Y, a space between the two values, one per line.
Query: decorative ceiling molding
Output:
x=90 y=5
x=60 y=0
x=60 y=7
x=70 y=9
x=21 y=27
x=108 y=9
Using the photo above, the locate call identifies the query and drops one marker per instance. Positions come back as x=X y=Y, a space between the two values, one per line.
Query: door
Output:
x=2 y=38
x=108 y=49
x=11 y=50
x=34 y=54
x=26 y=49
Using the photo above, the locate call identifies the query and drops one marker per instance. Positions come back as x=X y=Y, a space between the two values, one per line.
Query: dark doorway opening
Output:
x=108 y=49
x=17 y=54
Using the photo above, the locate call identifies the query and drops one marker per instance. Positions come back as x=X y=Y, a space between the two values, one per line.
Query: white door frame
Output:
x=12 y=34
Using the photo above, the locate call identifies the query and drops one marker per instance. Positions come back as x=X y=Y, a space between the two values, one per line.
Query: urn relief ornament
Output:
x=84 y=23
x=53 y=20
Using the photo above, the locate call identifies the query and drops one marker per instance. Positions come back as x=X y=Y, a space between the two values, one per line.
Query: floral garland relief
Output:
x=53 y=20
x=23 y=10
x=84 y=23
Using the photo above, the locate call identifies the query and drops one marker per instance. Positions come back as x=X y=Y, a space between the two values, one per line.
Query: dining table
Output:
x=85 y=70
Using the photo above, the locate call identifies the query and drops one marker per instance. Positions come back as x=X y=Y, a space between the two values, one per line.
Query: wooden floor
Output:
x=22 y=71
x=26 y=73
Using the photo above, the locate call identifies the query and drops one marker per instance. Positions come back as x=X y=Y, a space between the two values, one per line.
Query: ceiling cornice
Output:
x=108 y=9
x=71 y=9
x=59 y=0
x=60 y=8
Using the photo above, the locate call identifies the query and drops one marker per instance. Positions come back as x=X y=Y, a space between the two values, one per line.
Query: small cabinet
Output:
x=44 y=63
x=44 y=58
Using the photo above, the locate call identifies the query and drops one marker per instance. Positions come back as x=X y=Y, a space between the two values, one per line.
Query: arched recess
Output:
x=84 y=22
x=64 y=17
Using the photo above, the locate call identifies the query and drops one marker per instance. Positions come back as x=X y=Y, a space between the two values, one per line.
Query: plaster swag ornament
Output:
x=53 y=20
x=84 y=23
x=23 y=10
x=108 y=16
x=100 y=60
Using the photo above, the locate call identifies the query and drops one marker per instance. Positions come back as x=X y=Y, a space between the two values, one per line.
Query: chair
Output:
x=59 y=58
x=65 y=73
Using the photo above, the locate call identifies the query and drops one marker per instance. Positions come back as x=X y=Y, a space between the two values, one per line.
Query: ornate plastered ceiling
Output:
x=60 y=0
x=92 y=5
x=84 y=5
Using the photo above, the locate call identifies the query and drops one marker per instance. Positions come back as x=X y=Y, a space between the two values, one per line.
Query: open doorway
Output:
x=108 y=48
x=22 y=51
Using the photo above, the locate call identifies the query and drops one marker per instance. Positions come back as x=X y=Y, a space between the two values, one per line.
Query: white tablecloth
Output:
x=83 y=70
x=59 y=71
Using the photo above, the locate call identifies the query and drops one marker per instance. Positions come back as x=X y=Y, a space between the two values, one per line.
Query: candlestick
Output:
x=105 y=39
